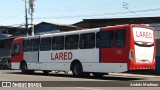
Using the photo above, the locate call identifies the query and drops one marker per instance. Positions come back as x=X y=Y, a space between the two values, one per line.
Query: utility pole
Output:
x=32 y=5
x=26 y=17
x=32 y=25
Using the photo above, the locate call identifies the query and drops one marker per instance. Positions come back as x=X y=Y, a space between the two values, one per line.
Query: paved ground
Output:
x=63 y=81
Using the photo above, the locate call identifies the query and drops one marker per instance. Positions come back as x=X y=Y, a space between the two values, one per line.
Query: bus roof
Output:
x=87 y=30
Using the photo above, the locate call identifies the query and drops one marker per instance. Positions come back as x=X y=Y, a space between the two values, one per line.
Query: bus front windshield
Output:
x=143 y=36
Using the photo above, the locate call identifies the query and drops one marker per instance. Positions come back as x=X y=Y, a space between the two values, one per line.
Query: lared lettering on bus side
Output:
x=61 y=56
x=143 y=34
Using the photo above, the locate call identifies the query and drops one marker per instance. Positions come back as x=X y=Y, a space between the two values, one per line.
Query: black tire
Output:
x=30 y=71
x=45 y=72
x=77 y=70
x=98 y=75
x=86 y=74
x=1 y=67
x=24 y=68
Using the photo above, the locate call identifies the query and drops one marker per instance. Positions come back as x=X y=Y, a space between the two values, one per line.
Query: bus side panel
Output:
x=31 y=57
x=105 y=67
x=116 y=54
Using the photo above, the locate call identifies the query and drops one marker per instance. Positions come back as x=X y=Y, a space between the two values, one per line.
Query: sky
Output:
x=12 y=12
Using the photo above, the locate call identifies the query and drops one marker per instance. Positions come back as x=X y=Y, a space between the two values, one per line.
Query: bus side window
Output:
x=120 y=37
x=105 y=39
x=34 y=44
x=16 y=49
x=58 y=43
x=26 y=46
x=45 y=44
x=71 y=42
x=87 y=41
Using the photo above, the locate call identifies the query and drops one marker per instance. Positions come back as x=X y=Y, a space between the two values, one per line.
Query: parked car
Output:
x=5 y=63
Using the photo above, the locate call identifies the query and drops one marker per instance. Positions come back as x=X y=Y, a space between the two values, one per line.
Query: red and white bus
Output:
x=98 y=51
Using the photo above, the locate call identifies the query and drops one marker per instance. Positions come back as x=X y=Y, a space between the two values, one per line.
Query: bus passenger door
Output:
x=31 y=52
x=45 y=50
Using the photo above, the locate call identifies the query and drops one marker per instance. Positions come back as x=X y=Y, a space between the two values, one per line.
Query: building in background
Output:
x=7 y=33
x=5 y=47
x=156 y=26
x=45 y=28
x=93 y=23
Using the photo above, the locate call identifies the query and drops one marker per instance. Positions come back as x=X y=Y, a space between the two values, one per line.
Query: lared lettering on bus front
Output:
x=61 y=56
x=143 y=34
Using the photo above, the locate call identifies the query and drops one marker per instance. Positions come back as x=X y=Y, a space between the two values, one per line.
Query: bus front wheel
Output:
x=77 y=70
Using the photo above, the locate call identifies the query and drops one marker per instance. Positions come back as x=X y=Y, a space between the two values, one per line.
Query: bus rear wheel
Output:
x=46 y=72
x=77 y=70
x=23 y=68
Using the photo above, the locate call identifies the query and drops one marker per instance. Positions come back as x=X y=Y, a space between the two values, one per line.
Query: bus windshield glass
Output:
x=144 y=44
x=143 y=36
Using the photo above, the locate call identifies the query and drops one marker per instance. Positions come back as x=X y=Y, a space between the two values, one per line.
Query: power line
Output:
x=126 y=6
x=99 y=6
x=77 y=16
x=93 y=7
x=12 y=16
